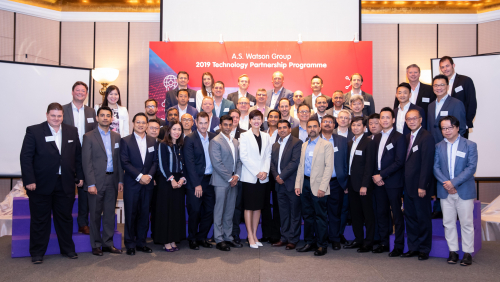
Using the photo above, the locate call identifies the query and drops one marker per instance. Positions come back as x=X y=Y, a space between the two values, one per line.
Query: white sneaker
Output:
x=259 y=244
x=254 y=246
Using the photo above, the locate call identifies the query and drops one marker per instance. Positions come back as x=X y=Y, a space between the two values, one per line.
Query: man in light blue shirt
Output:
x=304 y=113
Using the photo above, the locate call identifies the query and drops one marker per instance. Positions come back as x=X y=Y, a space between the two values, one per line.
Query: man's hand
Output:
x=346 y=191
x=181 y=182
x=198 y=191
x=31 y=186
x=92 y=190
x=421 y=193
x=174 y=183
x=263 y=176
x=448 y=186
x=452 y=191
x=145 y=179
x=279 y=180
x=80 y=184
x=297 y=191
x=362 y=191
x=377 y=178
x=380 y=183
x=321 y=194
x=120 y=187
x=234 y=180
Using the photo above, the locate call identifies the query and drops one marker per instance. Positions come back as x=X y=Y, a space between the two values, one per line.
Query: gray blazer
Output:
x=89 y=113
x=94 y=159
x=369 y=107
x=222 y=160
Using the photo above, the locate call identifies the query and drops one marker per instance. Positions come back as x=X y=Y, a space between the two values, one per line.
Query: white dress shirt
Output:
x=439 y=105
x=233 y=151
x=217 y=108
x=274 y=98
x=451 y=149
x=282 y=148
x=383 y=140
x=360 y=92
x=58 y=140
x=353 y=150
x=244 y=122
x=181 y=111
x=335 y=112
x=414 y=94
x=314 y=102
x=79 y=120
x=400 y=125
x=342 y=133
x=450 y=83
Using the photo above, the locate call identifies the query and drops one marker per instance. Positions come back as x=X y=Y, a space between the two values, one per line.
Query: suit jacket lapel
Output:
x=64 y=139
x=135 y=146
x=462 y=147
x=47 y=132
x=455 y=82
x=415 y=141
x=70 y=118
x=98 y=137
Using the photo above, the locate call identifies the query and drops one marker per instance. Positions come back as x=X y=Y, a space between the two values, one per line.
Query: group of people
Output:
x=324 y=160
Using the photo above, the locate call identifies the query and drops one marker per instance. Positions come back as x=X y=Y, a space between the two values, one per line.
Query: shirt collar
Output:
x=318 y=94
x=53 y=131
x=313 y=142
x=456 y=140
x=201 y=136
x=416 y=132
x=278 y=91
x=453 y=77
x=230 y=139
x=387 y=133
x=102 y=131
x=74 y=107
x=442 y=100
x=284 y=140
x=242 y=94
x=406 y=107
x=139 y=137
x=331 y=137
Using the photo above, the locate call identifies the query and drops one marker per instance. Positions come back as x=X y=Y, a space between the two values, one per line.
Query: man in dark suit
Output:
x=338 y=183
x=390 y=147
x=369 y=104
x=316 y=86
x=243 y=83
x=183 y=106
x=284 y=108
x=171 y=96
x=321 y=111
x=51 y=164
x=139 y=160
x=83 y=118
x=360 y=186
x=421 y=93
x=171 y=115
x=103 y=180
x=285 y=159
x=151 y=109
x=462 y=88
x=374 y=125
x=418 y=187
x=200 y=195
x=278 y=91
x=403 y=95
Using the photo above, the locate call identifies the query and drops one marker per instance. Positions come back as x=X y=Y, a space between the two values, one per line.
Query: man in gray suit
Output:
x=278 y=91
x=225 y=158
x=82 y=117
x=103 y=179
x=284 y=108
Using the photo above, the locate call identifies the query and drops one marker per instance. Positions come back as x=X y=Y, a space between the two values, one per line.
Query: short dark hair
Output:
x=453 y=120
x=274 y=111
x=182 y=90
x=220 y=82
x=441 y=76
x=284 y=99
x=104 y=108
x=302 y=105
x=327 y=116
x=182 y=72
x=80 y=83
x=313 y=119
x=150 y=100
x=256 y=113
x=202 y=115
x=140 y=115
x=285 y=121
x=234 y=111
x=227 y=117
x=373 y=116
x=322 y=96
x=172 y=109
x=446 y=58
x=167 y=139
x=154 y=120
x=54 y=106
x=356 y=119
x=405 y=85
x=413 y=110
x=387 y=109
x=317 y=76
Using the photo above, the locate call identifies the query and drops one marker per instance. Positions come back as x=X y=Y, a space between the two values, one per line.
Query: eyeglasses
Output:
x=412 y=119
x=344 y=118
x=261 y=95
x=154 y=128
x=439 y=85
x=304 y=112
x=447 y=128
x=327 y=121
x=242 y=103
x=150 y=107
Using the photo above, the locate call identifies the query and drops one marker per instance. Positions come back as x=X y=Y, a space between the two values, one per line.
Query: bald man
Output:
x=278 y=91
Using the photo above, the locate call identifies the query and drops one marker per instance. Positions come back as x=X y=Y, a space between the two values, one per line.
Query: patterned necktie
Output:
x=409 y=147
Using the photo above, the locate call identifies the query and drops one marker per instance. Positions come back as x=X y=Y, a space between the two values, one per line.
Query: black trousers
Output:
x=362 y=213
x=41 y=206
x=83 y=208
x=387 y=200
x=200 y=210
x=314 y=213
x=238 y=212
x=335 y=203
x=271 y=217
x=418 y=223
x=136 y=201
x=289 y=204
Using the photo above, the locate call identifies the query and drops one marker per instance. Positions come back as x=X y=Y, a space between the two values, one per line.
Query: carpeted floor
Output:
x=263 y=264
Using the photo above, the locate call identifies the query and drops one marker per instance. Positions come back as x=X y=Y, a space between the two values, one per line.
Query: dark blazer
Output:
x=407 y=130
x=164 y=160
x=467 y=95
x=308 y=100
x=225 y=105
x=454 y=107
x=340 y=159
x=236 y=134
x=189 y=110
x=290 y=160
x=425 y=97
x=131 y=160
x=40 y=160
x=350 y=135
x=367 y=109
x=285 y=93
x=194 y=158
x=362 y=167
x=171 y=98
x=214 y=125
x=233 y=97
x=88 y=112
x=418 y=167
x=393 y=160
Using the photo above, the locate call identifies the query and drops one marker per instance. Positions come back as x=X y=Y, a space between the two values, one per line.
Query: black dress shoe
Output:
x=381 y=249
x=435 y=215
x=204 y=244
x=336 y=246
x=453 y=258
x=193 y=245
x=112 y=250
x=264 y=239
x=211 y=240
x=410 y=254
x=223 y=246
x=71 y=255
x=37 y=260
x=423 y=256
x=365 y=249
x=343 y=240
x=376 y=242
x=273 y=240
x=144 y=249
x=96 y=252
x=233 y=244
x=466 y=260
x=307 y=248
x=396 y=252
x=237 y=239
x=321 y=251
x=354 y=245
x=131 y=251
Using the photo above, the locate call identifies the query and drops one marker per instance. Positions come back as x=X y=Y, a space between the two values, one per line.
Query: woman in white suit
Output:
x=255 y=155
x=120 y=122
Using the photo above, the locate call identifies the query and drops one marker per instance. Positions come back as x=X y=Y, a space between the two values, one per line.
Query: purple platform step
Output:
x=21 y=206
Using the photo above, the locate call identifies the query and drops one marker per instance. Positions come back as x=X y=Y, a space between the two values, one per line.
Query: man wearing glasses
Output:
x=151 y=108
x=298 y=99
x=243 y=106
x=300 y=132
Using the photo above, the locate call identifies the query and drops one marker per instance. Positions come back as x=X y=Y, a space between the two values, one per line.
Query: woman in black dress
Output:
x=170 y=223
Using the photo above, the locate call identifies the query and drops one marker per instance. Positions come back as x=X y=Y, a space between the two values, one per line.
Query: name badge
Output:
x=226 y=109
x=389 y=147
x=70 y=141
x=459 y=88
x=311 y=154
x=90 y=120
x=461 y=154
x=50 y=138
x=425 y=100
x=335 y=149
x=444 y=113
x=151 y=149
x=117 y=145
x=191 y=100
x=415 y=148
x=216 y=128
x=358 y=153
x=252 y=104
x=367 y=103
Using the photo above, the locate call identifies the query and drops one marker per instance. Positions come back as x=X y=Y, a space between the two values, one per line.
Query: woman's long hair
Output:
x=108 y=90
x=167 y=139
x=203 y=89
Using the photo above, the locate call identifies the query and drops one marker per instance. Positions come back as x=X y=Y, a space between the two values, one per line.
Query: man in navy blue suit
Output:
x=338 y=182
x=200 y=195
x=171 y=96
x=139 y=160
x=390 y=146
x=421 y=93
x=183 y=106
x=403 y=94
